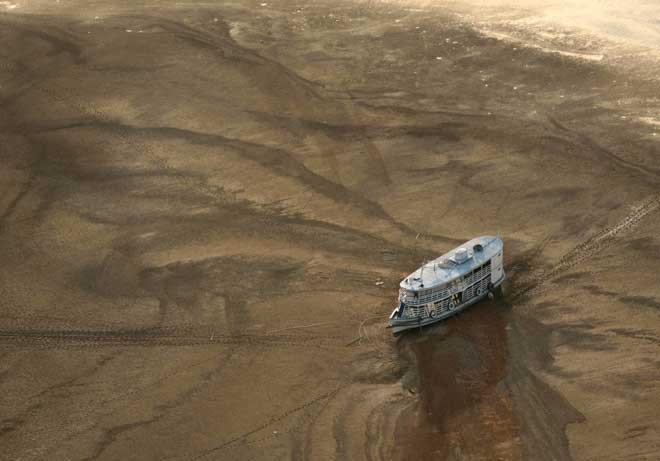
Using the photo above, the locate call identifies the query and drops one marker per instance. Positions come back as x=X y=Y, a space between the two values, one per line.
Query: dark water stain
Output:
x=564 y=193
x=598 y=291
x=10 y=425
x=644 y=245
x=478 y=397
x=458 y=371
x=643 y=301
x=570 y=277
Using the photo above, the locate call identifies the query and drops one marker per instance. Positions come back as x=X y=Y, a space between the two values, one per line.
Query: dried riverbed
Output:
x=206 y=210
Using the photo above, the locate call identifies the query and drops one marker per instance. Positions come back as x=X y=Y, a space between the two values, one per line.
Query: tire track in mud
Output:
x=157 y=338
x=590 y=247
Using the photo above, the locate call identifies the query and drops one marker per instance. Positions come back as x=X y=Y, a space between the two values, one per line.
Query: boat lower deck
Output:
x=419 y=316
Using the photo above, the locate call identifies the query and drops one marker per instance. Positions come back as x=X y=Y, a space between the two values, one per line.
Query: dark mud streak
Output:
x=7 y=371
x=644 y=245
x=559 y=191
x=13 y=205
x=644 y=335
x=110 y=174
x=128 y=69
x=571 y=277
x=68 y=383
x=38 y=179
x=230 y=50
x=362 y=134
x=10 y=425
x=59 y=40
x=275 y=419
x=16 y=422
x=354 y=241
x=586 y=141
x=581 y=337
x=111 y=435
x=229 y=277
x=36 y=154
x=645 y=301
x=636 y=431
x=277 y=160
x=449 y=129
x=408 y=111
x=339 y=435
x=598 y=291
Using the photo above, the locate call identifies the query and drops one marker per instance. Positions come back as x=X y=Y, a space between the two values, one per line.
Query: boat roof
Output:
x=454 y=263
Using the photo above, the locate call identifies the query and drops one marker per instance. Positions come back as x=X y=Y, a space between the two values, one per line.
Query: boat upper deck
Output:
x=453 y=264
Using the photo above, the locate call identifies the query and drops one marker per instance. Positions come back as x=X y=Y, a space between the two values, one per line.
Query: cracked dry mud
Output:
x=199 y=202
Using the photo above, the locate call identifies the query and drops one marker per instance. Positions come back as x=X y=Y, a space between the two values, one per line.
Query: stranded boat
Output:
x=449 y=284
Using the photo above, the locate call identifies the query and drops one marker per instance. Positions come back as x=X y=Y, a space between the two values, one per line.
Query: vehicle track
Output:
x=590 y=247
x=157 y=338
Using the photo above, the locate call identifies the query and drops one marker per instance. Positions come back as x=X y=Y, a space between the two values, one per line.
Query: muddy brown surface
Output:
x=206 y=209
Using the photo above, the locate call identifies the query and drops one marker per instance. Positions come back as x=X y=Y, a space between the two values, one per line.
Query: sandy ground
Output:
x=206 y=209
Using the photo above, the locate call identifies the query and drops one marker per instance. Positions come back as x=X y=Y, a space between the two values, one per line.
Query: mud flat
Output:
x=200 y=202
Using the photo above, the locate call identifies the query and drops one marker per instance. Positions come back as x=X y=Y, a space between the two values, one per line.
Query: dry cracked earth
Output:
x=206 y=209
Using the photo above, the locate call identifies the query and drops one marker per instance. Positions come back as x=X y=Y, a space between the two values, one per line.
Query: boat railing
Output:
x=423 y=312
x=436 y=294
